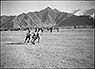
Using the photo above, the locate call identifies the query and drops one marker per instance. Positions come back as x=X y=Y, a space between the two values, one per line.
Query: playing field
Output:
x=69 y=48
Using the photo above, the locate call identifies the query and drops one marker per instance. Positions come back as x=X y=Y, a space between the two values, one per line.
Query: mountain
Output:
x=6 y=22
x=90 y=12
x=46 y=17
x=76 y=20
x=21 y=21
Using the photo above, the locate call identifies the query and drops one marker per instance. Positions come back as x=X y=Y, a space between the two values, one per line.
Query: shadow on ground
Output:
x=13 y=43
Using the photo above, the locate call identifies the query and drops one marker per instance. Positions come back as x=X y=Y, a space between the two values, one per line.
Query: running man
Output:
x=35 y=36
x=28 y=36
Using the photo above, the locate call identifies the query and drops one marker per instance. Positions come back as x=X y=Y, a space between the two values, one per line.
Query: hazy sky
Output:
x=18 y=7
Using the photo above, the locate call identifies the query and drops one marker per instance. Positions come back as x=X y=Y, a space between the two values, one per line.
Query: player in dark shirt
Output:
x=28 y=36
x=35 y=36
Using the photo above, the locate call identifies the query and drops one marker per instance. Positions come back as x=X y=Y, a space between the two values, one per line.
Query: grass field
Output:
x=69 y=48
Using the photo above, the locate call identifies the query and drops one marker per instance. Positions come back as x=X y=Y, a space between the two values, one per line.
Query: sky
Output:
x=18 y=7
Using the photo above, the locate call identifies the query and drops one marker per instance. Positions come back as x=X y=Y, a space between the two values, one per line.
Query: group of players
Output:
x=35 y=34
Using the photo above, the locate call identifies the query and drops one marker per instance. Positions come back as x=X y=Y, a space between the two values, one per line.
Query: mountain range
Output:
x=44 y=18
x=90 y=12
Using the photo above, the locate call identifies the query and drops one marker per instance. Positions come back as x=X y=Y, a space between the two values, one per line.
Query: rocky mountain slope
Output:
x=44 y=18
x=90 y=12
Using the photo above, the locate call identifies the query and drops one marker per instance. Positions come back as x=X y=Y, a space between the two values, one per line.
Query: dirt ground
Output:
x=69 y=48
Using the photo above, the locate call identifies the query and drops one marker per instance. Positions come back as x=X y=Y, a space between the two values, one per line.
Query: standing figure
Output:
x=57 y=29
x=51 y=29
x=40 y=29
x=74 y=26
